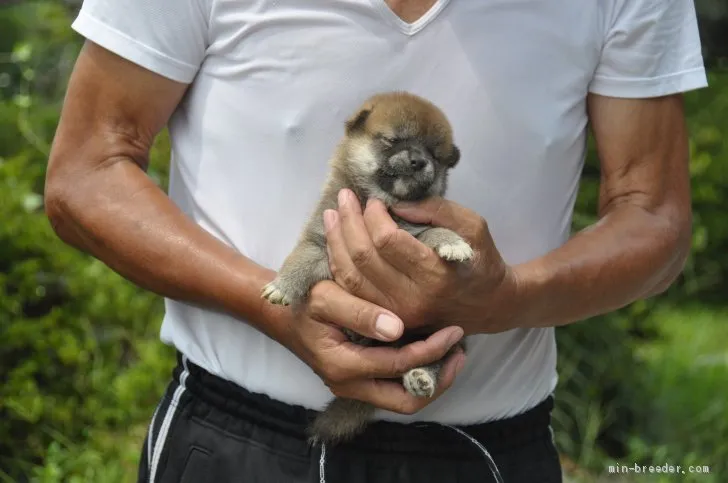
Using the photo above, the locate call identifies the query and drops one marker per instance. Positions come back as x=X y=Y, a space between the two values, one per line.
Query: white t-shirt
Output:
x=274 y=81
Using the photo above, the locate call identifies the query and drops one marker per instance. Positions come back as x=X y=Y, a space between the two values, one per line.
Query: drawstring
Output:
x=322 y=464
x=491 y=463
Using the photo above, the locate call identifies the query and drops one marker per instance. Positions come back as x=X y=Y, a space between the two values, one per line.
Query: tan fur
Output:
x=413 y=168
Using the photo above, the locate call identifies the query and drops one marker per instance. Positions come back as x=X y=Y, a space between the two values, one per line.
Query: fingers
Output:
x=330 y=303
x=438 y=211
x=392 y=396
x=450 y=370
x=354 y=252
x=397 y=247
x=359 y=372
x=387 y=395
x=391 y=362
x=345 y=272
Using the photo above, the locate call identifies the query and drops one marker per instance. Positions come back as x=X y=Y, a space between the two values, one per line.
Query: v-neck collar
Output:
x=405 y=27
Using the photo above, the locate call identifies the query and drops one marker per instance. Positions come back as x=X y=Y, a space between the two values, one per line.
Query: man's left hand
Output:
x=372 y=258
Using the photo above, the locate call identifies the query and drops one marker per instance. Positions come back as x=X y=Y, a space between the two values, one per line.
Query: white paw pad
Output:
x=419 y=382
x=458 y=251
x=274 y=295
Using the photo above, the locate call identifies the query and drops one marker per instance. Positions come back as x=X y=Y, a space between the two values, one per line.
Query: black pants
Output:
x=206 y=429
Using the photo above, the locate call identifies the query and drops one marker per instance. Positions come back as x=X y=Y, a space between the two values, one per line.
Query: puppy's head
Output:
x=399 y=147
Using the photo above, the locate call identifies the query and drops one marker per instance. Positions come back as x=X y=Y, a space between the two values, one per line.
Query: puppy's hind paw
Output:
x=275 y=295
x=458 y=251
x=419 y=382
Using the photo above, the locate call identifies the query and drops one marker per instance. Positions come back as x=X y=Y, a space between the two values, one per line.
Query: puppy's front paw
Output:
x=419 y=382
x=457 y=251
x=275 y=295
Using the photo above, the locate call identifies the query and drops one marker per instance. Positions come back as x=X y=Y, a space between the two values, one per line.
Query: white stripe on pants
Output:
x=155 y=446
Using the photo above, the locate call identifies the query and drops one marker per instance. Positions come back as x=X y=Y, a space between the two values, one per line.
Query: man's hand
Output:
x=374 y=259
x=357 y=372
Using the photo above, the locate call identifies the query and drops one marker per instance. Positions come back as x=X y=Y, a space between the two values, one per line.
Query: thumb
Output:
x=428 y=211
x=330 y=303
x=437 y=211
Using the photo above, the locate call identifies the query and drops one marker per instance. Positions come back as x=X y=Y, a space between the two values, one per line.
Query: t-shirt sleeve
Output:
x=651 y=48
x=168 y=37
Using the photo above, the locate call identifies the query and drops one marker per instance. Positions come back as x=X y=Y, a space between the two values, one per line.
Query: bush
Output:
x=80 y=345
x=80 y=359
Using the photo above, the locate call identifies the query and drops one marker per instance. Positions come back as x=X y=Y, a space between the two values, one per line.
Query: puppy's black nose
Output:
x=417 y=163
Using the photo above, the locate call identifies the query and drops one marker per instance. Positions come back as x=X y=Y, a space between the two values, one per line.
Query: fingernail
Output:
x=343 y=198
x=387 y=326
x=455 y=337
x=329 y=219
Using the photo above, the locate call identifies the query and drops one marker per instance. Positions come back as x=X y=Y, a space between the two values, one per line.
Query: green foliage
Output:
x=685 y=378
x=649 y=402
x=713 y=21
x=80 y=349
x=80 y=359
x=706 y=274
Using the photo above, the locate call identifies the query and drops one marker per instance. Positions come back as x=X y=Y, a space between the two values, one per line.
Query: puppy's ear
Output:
x=357 y=121
x=454 y=157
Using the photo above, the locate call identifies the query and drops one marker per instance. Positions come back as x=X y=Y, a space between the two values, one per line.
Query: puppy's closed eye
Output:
x=388 y=141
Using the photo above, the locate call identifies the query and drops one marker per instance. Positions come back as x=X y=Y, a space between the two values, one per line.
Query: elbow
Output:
x=683 y=247
x=55 y=201
x=678 y=237
x=58 y=200
x=671 y=274
x=682 y=242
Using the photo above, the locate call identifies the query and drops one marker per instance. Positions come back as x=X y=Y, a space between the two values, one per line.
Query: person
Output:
x=255 y=95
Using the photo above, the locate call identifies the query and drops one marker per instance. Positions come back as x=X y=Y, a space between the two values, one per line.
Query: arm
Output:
x=100 y=200
x=642 y=239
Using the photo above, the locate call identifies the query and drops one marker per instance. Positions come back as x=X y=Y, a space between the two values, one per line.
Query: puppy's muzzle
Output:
x=409 y=160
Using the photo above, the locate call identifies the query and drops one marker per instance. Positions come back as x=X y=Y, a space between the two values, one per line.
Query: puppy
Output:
x=397 y=147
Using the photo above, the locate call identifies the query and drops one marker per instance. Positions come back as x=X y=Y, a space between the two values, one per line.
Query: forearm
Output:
x=643 y=237
x=630 y=254
x=118 y=215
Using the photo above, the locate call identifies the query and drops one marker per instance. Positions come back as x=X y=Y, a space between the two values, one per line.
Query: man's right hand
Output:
x=357 y=372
